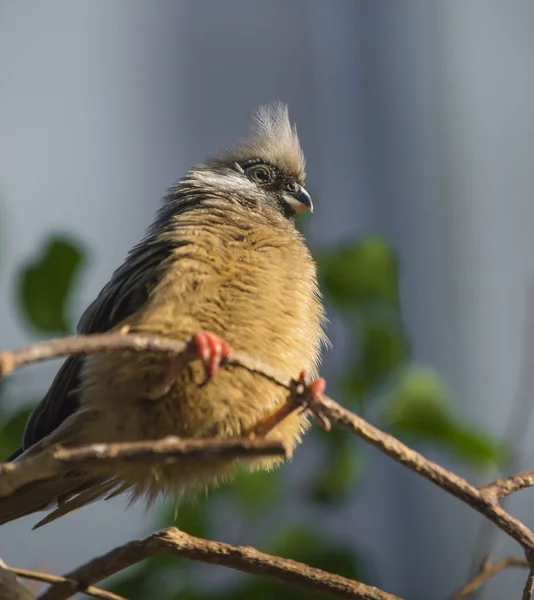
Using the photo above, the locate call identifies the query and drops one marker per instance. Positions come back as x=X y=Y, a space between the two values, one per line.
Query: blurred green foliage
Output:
x=360 y=283
x=419 y=412
x=45 y=284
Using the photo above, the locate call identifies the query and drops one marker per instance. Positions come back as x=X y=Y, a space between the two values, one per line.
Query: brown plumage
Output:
x=224 y=256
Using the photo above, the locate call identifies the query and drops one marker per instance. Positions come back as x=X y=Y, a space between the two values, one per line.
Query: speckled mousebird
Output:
x=224 y=266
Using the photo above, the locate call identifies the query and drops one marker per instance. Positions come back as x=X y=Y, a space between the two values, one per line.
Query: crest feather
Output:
x=272 y=140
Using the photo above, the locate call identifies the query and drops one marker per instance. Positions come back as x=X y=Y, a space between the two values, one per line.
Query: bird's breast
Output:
x=254 y=290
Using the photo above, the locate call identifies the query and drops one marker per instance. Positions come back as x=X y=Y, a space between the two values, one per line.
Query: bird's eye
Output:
x=259 y=174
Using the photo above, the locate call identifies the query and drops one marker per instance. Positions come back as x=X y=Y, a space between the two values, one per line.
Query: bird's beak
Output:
x=299 y=200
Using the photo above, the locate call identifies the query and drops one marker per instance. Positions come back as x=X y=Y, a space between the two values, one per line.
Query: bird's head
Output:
x=265 y=171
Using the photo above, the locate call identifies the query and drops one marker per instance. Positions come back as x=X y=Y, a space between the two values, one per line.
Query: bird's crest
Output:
x=273 y=140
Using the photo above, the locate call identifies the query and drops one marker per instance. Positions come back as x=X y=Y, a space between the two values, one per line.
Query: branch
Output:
x=10 y=587
x=249 y=560
x=529 y=585
x=106 y=457
x=478 y=499
x=487 y=571
x=484 y=500
x=103 y=342
x=519 y=419
x=505 y=486
x=47 y=578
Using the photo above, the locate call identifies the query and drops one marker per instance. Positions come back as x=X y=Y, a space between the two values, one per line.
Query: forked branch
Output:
x=484 y=500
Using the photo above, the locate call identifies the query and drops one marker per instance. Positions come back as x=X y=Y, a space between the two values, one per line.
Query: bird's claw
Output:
x=305 y=392
x=302 y=395
x=212 y=349
x=308 y=396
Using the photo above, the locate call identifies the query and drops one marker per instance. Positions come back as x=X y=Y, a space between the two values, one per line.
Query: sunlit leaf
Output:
x=420 y=412
x=45 y=284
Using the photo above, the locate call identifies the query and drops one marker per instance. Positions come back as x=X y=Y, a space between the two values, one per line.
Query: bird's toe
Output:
x=212 y=349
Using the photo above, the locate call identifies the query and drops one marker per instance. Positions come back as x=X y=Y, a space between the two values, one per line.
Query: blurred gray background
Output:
x=417 y=121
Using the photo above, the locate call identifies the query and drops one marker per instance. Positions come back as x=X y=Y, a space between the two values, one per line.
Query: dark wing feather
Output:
x=125 y=293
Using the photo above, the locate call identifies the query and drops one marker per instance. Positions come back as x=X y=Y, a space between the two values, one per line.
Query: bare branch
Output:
x=47 y=578
x=104 y=342
x=175 y=542
x=106 y=457
x=10 y=587
x=455 y=485
x=518 y=423
x=487 y=571
x=501 y=488
x=485 y=500
x=529 y=586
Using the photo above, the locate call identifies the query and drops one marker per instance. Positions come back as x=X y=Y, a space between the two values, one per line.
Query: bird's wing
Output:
x=125 y=293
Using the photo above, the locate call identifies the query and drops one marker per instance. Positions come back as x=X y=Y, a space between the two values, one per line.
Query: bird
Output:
x=224 y=266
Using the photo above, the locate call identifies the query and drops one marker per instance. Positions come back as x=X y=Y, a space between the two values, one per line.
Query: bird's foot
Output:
x=303 y=395
x=212 y=349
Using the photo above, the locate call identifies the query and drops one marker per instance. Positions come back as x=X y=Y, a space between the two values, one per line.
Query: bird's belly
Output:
x=286 y=334
x=230 y=404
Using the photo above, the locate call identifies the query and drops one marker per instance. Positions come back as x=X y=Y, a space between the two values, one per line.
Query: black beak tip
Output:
x=299 y=200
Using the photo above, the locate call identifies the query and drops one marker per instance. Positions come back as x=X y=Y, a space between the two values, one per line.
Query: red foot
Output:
x=212 y=349
x=298 y=399
x=316 y=387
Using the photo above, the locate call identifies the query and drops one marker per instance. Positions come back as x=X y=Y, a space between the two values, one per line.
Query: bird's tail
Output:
x=41 y=495
x=62 y=494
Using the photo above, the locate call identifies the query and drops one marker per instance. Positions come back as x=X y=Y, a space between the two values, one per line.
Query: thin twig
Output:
x=487 y=571
x=485 y=500
x=529 y=586
x=52 y=579
x=505 y=486
x=104 y=457
x=249 y=560
x=105 y=342
x=455 y=485
x=10 y=586
x=519 y=419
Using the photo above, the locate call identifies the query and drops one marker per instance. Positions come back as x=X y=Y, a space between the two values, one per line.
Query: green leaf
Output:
x=140 y=581
x=337 y=478
x=255 y=492
x=45 y=285
x=261 y=588
x=382 y=350
x=420 y=412
x=11 y=430
x=190 y=514
x=191 y=593
x=315 y=550
x=135 y=583
x=360 y=273
x=361 y=279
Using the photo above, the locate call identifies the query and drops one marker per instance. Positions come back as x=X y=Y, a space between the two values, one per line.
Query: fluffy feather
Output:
x=222 y=255
x=274 y=140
